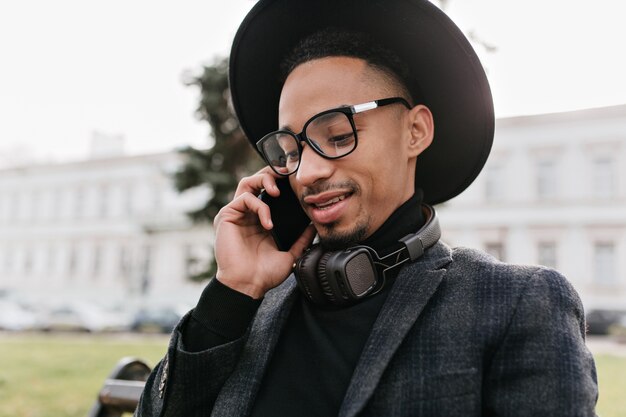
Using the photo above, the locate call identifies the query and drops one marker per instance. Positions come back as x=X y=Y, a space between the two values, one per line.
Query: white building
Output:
x=553 y=192
x=109 y=228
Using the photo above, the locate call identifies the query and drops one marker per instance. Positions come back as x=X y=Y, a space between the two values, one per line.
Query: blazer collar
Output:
x=414 y=286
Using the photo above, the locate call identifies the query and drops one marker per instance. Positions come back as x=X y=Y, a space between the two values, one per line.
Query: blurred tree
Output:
x=229 y=157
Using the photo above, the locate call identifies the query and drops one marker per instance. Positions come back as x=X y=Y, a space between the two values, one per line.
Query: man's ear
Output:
x=422 y=129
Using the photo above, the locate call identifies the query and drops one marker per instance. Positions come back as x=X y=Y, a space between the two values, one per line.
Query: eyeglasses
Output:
x=331 y=134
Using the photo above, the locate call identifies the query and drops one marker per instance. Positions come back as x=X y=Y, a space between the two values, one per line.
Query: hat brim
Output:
x=448 y=75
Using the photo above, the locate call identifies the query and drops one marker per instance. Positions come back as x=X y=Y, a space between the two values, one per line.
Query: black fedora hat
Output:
x=442 y=64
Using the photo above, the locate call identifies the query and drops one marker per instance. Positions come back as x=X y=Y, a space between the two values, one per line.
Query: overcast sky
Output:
x=72 y=67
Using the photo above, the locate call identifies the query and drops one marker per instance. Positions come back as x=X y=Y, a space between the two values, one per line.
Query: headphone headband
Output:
x=346 y=276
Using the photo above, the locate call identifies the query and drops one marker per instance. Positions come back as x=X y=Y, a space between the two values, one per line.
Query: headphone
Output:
x=343 y=277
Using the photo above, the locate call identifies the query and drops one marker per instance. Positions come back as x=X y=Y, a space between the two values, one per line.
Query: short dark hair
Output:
x=340 y=42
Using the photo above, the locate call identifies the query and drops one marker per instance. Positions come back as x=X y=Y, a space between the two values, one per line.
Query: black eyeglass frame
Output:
x=349 y=111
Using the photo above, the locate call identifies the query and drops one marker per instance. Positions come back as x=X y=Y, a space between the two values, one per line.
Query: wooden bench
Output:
x=122 y=389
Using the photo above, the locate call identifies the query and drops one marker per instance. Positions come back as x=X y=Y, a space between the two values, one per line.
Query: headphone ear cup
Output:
x=306 y=274
x=323 y=277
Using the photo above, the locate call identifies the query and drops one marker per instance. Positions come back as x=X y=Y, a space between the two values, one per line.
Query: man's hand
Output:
x=247 y=258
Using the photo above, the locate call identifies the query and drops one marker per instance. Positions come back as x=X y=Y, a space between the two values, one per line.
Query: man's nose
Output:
x=313 y=167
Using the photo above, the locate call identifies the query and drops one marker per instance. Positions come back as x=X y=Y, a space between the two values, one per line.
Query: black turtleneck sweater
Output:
x=319 y=347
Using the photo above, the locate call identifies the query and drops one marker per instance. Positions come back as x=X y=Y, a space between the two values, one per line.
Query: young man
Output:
x=382 y=106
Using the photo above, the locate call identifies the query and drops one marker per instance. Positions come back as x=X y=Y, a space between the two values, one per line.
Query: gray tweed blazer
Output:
x=459 y=335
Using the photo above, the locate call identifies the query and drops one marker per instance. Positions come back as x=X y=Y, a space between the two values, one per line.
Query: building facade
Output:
x=553 y=192
x=110 y=228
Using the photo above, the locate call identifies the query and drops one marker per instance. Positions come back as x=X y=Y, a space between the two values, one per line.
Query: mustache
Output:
x=324 y=186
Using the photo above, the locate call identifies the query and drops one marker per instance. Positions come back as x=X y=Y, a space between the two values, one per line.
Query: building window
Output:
x=604 y=177
x=8 y=259
x=72 y=261
x=21 y=205
x=79 y=202
x=128 y=200
x=51 y=259
x=4 y=254
x=55 y=203
x=4 y=206
x=604 y=264
x=496 y=249
x=103 y=201
x=28 y=261
x=147 y=270
x=547 y=184
x=97 y=261
x=157 y=197
x=124 y=263
x=35 y=202
x=15 y=206
x=546 y=254
x=494 y=182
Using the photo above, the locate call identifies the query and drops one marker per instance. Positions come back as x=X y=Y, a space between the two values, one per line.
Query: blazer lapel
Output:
x=414 y=286
x=237 y=394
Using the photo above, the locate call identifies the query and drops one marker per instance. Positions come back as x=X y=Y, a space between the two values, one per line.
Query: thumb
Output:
x=303 y=242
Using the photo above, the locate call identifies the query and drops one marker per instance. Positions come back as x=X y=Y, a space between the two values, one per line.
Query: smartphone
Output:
x=288 y=217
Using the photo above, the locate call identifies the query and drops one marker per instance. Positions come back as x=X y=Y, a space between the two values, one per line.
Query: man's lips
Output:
x=327 y=207
x=329 y=203
x=326 y=198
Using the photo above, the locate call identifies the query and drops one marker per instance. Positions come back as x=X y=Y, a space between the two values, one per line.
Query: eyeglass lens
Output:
x=331 y=134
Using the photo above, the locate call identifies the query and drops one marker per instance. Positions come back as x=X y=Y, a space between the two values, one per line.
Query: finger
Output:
x=264 y=179
x=303 y=242
x=243 y=208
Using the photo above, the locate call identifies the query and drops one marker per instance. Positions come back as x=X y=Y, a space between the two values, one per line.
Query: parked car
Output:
x=84 y=317
x=155 y=320
x=599 y=321
x=15 y=317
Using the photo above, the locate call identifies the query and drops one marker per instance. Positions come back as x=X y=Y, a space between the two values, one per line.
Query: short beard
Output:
x=333 y=240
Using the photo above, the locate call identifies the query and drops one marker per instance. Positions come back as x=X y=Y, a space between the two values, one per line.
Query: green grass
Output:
x=612 y=385
x=60 y=375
